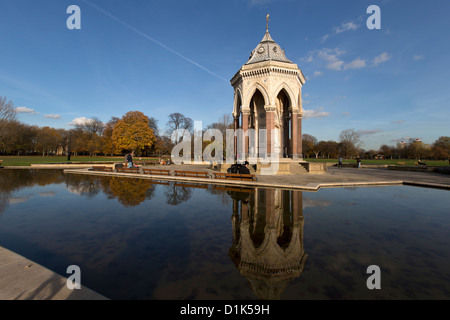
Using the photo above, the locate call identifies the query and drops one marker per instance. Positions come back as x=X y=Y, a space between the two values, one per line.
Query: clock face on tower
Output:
x=261 y=50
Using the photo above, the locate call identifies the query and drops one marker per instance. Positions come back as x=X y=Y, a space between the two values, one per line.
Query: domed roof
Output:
x=267 y=50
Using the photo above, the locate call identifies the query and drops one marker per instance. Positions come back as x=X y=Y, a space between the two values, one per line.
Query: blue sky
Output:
x=160 y=57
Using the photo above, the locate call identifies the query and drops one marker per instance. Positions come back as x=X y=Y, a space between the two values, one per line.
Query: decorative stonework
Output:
x=270 y=83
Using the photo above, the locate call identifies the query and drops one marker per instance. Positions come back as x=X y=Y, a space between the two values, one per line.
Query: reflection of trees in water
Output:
x=131 y=192
x=88 y=186
x=16 y=179
x=177 y=193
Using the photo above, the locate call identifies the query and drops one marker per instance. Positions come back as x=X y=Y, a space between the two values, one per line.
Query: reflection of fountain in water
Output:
x=268 y=239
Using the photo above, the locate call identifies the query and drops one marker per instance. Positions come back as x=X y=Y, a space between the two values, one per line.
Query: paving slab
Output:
x=23 y=279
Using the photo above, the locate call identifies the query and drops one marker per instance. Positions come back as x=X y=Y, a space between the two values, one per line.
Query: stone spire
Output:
x=267 y=49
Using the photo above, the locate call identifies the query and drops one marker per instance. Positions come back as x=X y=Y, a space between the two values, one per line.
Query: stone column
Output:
x=270 y=126
x=299 y=136
x=236 y=126
x=294 y=135
x=245 y=116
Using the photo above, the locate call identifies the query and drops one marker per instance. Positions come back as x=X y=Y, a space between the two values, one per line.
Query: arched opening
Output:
x=283 y=123
x=257 y=121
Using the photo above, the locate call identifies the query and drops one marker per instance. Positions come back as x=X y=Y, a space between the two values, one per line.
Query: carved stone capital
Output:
x=270 y=108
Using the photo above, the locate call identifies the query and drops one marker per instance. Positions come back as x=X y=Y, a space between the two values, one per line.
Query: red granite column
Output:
x=236 y=126
x=299 y=135
x=294 y=135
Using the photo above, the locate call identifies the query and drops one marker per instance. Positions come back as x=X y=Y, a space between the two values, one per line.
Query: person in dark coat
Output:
x=244 y=169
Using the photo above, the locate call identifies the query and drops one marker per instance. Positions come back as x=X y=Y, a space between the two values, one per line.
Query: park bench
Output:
x=160 y=172
x=234 y=176
x=192 y=174
x=128 y=170
x=102 y=168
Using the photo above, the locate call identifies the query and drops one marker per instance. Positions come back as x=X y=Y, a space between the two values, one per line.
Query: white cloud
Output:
x=398 y=122
x=336 y=65
x=79 y=121
x=346 y=113
x=308 y=59
x=25 y=110
x=381 y=58
x=53 y=116
x=317 y=73
x=331 y=56
x=417 y=57
x=346 y=26
x=307 y=114
x=355 y=64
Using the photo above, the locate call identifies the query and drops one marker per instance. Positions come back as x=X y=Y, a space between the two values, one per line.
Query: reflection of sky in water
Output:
x=138 y=240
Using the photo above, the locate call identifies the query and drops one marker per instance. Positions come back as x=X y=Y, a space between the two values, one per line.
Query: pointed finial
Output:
x=267 y=23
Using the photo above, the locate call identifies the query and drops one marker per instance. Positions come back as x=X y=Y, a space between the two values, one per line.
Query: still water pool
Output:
x=138 y=239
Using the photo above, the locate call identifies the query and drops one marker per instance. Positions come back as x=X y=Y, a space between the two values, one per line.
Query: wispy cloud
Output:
x=398 y=122
x=307 y=114
x=344 y=27
x=381 y=58
x=418 y=57
x=334 y=60
x=25 y=110
x=331 y=57
x=53 y=116
x=317 y=73
x=369 y=132
x=355 y=64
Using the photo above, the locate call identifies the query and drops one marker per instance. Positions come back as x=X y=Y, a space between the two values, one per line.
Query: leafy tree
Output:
x=308 y=143
x=92 y=131
x=107 y=138
x=133 y=132
x=441 y=148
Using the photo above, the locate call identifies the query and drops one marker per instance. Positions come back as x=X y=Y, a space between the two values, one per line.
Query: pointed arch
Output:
x=252 y=91
x=237 y=102
x=290 y=94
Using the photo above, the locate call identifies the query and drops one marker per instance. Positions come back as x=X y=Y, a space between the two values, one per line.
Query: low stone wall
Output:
x=69 y=165
x=441 y=169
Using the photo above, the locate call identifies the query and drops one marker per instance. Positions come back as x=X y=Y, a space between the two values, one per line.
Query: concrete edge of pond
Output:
x=23 y=279
x=312 y=186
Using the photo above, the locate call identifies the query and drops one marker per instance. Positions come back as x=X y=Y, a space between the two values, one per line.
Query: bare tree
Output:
x=178 y=123
x=351 y=141
x=7 y=111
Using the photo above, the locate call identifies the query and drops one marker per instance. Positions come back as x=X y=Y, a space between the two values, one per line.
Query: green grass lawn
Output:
x=386 y=161
x=28 y=160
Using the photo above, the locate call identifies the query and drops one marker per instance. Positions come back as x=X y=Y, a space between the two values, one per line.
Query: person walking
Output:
x=340 y=162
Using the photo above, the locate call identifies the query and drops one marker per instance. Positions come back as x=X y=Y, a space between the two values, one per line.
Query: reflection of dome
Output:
x=271 y=264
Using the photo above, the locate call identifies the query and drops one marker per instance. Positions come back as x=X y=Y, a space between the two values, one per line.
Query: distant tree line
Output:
x=138 y=133
x=349 y=146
